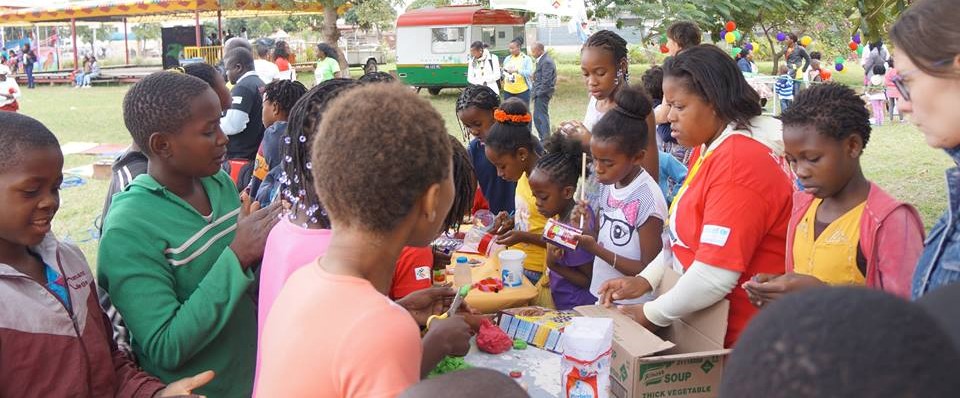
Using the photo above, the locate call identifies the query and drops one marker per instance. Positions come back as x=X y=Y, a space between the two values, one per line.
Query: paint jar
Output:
x=462 y=275
x=511 y=267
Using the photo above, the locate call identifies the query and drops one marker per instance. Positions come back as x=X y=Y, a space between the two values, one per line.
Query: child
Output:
x=653 y=83
x=56 y=341
x=180 y=272
x=842 y=342
x=278 y=99
x=672 y=174
x=475 y=108
x=632 y=208
x=405 y=207
x=844 y=229
x=604 y=63
x=785 y=88
x=893 y=94
x=9 y=91
x=876 y=93
x=304 y=232
x=511 y=148
x=554 y=182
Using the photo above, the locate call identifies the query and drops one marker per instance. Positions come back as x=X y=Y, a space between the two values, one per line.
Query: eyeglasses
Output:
x=901 y=85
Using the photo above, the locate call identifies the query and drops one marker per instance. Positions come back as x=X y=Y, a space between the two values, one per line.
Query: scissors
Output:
x=457 y=300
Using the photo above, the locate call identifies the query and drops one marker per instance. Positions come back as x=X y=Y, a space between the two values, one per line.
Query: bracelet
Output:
x=614 y=259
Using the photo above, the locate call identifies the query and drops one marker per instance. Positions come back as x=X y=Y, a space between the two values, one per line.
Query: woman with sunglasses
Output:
x=927 y=55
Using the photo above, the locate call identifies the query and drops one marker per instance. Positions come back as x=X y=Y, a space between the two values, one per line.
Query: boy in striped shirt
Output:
x=785 y=88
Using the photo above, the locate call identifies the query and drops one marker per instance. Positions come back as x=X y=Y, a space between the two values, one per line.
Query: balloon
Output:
x=839 y=60
x=859 y=51
x=730 y=37
x=825 y=74
x=805 y=41
x=663 y=39
x=731 y=26
x=838 y=67
x=747 y=47
x=664 y=49
x=853 y=46
x=754 y=45
x=735 y=51
x=781 y=36
x=856 y=37
x=737 y=35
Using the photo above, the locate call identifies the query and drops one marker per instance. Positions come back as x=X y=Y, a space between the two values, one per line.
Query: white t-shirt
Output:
x=593 y=114
x=622 y=211
x=266 y=70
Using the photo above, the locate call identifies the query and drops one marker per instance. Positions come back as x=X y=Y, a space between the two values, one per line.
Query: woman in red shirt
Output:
x=729 y=219
x=284 y=58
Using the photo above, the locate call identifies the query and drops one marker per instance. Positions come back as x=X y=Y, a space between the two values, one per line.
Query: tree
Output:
x=144 y=32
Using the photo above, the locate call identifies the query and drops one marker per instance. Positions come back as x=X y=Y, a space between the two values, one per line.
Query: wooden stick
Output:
x=583 y=183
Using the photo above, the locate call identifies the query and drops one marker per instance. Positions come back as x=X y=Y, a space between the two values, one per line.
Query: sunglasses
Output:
x=901 y=85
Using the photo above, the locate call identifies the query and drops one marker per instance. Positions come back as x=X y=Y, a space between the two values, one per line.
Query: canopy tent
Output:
x=145 y=10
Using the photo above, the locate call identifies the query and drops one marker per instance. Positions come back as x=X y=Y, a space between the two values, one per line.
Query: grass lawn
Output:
x=897 y=157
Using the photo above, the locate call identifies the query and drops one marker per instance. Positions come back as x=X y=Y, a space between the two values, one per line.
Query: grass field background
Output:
x=897 y=157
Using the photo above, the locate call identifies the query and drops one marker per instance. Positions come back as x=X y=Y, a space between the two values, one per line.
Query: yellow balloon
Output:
x=805 y=41
x=756 y=47
x=730 y=37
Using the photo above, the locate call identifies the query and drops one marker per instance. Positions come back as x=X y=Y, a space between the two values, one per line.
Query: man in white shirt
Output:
x=266 y=69
x=243 y=122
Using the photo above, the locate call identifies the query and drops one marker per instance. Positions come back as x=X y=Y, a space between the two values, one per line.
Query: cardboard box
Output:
x=542 y=331
x=103 y=169
x=683 y=360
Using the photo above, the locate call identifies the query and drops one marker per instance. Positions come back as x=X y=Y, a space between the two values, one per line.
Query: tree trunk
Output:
x=331 y=35
x=774 y=53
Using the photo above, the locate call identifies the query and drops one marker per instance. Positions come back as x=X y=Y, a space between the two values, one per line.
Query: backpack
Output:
x=500 y=80
x=878 y=56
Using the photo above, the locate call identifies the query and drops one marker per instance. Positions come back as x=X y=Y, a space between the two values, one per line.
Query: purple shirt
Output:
x=566 y=295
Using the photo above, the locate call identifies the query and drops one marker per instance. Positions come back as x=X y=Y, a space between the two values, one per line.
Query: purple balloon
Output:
x=781 y=36
x=723 y=33
x=856 y=37
x=838 y=67
x=748 y=47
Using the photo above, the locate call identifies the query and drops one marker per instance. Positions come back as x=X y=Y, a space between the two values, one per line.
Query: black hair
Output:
x=377 y=77
x=563 y=160
x=21 y=133
x=653 y=82
x=202 y=71
x=833 y=109
x=685 y=33
x=479 y=96
x=327 y=50
x=240 y=56
x=509 y=136
x=281 y=50
x=464 y=183
x=518 y=41
x=710 y=73
x=160 y=103
x=610 y=41
x=842 y=342
x=816 y=55
x=879 y=70
x=284 y=94
x=296 y=179
x=478 y=45
x=890 y=61
x=626 y=123
x=262 y=46
x=793 y=37
x=941 y=304
x=375 y=187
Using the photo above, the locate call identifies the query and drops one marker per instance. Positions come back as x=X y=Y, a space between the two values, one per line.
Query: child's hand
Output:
x=581 y=212
x=184 y=387
x=764 y=291
x=624 y=288
x=253 y=226
x=502 y=223
x=421 y=304
x=514 y=237
x=451 y=335
x=588 y=243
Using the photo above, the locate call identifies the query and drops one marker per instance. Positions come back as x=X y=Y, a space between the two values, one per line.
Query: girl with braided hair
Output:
x=279 y=97
x=554 y=184
x=475 y=109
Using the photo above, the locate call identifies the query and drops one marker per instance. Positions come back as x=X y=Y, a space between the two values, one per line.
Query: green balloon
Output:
x=663 y=39
x=839 y=60
x=737 y=35
x=860 y=51
x=735 y=51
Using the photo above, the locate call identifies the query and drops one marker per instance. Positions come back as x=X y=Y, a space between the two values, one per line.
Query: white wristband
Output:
x=699 y=287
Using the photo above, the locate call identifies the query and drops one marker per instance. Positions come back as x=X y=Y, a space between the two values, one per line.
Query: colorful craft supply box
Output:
x=685 y=359
x=542 y=329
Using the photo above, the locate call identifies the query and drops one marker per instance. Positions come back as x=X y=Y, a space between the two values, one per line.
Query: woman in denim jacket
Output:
x=928 y=58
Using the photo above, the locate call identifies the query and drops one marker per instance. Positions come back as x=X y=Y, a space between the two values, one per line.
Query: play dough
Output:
x=448 y=365
x=492 y=339
x=519 y=344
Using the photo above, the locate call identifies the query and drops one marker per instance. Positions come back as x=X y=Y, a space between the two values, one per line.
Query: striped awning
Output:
x=119 y=9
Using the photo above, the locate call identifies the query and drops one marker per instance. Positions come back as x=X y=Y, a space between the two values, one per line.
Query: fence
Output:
x=210 y=54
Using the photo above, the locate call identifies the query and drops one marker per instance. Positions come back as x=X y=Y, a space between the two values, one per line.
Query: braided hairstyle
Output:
x=626 y=123
x=478 y=96
x=464 y=183
x=508 y=136
x=202 y=71
x=284 y=94
x=616 y=45
x=296 y=178
x=563 y=160
x=160 y=102
x=833 y=109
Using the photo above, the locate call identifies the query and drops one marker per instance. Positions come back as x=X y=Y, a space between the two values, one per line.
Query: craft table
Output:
x=541 y=368
x=490 y=302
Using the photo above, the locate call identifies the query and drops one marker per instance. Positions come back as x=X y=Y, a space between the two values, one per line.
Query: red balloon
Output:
x=825 y=74
x=853 y=46
x=731 y=26
x=664 y=49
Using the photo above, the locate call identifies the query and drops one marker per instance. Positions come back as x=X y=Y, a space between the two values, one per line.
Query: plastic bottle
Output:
x=511 y=267
x=461 y=273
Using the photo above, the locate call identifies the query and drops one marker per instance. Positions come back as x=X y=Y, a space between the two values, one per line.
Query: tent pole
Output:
x=126 y=43
x=196 y=19
x=73 y=32
x=220 y=28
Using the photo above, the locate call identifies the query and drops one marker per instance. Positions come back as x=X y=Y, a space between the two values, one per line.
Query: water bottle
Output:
x=461 y=273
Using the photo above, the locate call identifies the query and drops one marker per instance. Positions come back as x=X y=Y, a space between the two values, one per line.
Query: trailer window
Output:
x=489 y=36
x=448 y=40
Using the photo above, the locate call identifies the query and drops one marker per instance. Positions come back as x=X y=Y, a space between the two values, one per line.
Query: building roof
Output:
x=458 y=15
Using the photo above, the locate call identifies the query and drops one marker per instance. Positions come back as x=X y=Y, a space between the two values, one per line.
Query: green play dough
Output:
x=519 y=344
x=448 y=365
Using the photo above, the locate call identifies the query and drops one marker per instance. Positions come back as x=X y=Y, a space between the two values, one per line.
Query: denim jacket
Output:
x=940 y=262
